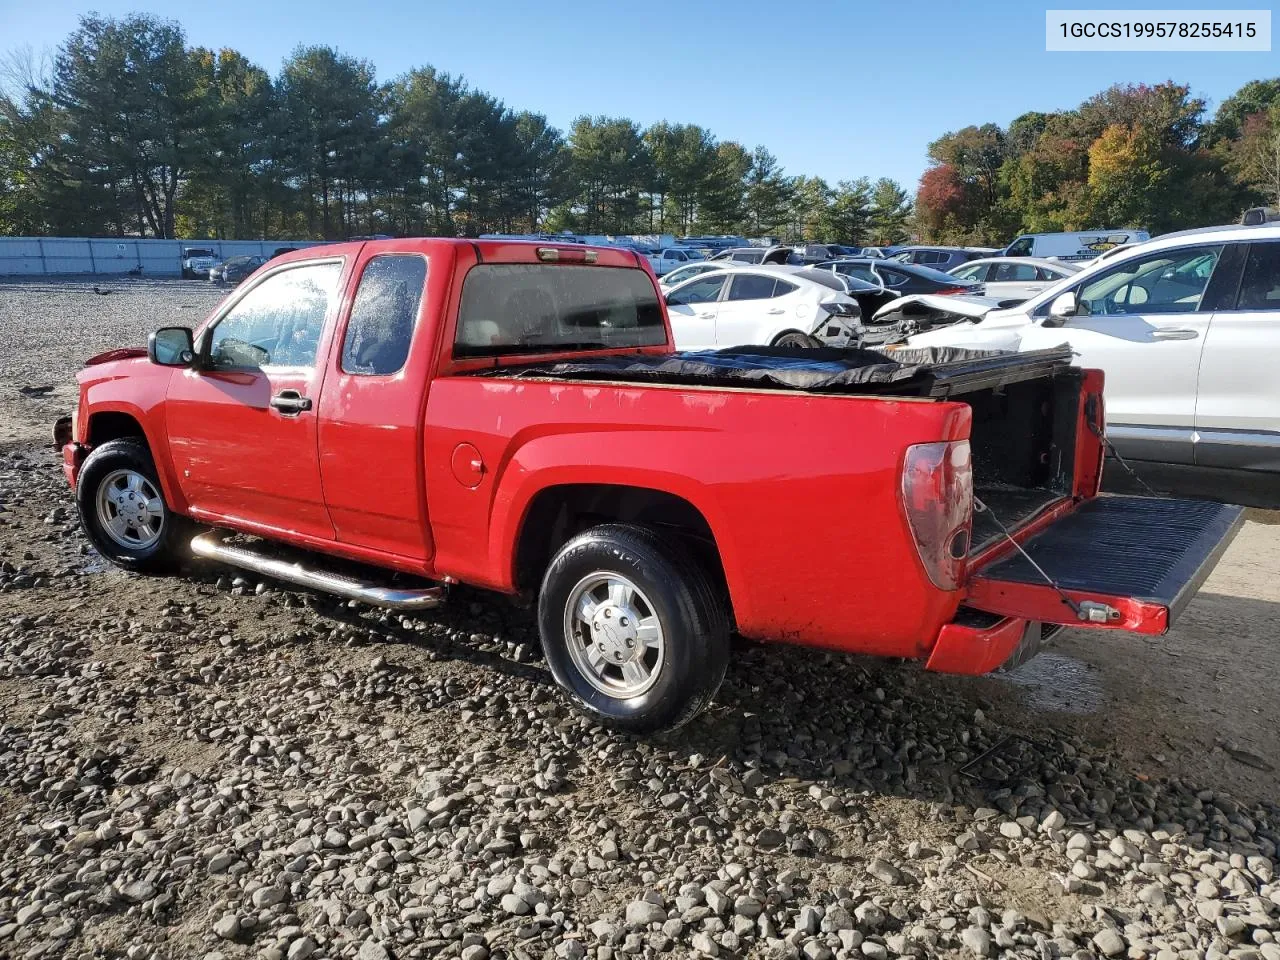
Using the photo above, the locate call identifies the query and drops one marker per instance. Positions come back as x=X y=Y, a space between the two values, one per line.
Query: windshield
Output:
x=199 y=253
x=517 y=308
x=692 y=254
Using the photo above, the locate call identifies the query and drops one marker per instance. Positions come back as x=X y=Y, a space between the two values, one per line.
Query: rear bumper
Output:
x=1124 y=563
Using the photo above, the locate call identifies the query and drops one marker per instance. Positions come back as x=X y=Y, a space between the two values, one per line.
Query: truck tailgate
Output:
x=1133 y=562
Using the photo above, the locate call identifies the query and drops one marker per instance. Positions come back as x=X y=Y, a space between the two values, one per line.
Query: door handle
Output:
x=706 y=316
x=290 y=402
x=776 y=310
x=1179 y=334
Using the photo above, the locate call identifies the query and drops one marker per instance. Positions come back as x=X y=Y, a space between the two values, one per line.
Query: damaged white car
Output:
x=919 y=313
x=761 y=305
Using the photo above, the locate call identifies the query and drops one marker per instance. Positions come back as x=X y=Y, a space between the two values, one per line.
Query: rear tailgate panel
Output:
x=1143 y=557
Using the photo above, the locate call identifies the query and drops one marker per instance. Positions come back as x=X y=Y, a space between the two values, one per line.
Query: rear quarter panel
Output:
x=800 y=492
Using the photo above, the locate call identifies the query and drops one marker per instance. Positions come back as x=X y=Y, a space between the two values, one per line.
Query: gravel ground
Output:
x=212 y=766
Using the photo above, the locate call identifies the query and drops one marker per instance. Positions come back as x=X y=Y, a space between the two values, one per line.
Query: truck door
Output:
x=242 y=425
x=371 y=411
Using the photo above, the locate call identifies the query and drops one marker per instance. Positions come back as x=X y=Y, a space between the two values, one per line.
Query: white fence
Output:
x=34 y=256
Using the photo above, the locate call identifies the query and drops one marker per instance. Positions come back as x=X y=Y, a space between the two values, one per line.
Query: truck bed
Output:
x=918 y=372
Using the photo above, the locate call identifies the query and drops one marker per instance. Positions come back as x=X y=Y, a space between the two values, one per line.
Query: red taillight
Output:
x=948 y=291
x=937 y=493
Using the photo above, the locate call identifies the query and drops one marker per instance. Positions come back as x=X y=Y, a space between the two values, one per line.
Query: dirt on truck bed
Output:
x=215 y=765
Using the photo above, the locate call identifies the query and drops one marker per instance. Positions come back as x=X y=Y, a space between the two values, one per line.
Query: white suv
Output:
x=1187 y=329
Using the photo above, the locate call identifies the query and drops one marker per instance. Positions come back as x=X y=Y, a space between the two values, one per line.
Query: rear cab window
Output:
x=520 y=308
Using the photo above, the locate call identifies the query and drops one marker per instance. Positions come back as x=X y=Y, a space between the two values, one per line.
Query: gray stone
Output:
x=884 y=871
x=514 y=905
x=641 y=913
x=705 y=945
x=1109 y=942
x=977 y=940
x=227 y=927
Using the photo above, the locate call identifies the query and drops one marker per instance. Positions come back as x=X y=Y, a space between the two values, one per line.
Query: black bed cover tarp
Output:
x=917 y=371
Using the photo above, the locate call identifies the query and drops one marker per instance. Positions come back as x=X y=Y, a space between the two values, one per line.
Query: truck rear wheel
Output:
x=632 y=628
x=123 y=511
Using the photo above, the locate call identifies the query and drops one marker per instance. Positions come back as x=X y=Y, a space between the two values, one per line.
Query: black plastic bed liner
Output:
x=916 y=372
x=1156 y=551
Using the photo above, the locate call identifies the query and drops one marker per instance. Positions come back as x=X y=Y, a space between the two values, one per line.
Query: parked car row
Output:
x=200 y=262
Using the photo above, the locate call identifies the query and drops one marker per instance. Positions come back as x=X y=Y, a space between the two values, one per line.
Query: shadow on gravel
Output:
x=790 y=717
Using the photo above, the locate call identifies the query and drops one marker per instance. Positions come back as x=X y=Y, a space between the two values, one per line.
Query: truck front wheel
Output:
x=632 y=628
x=122 y=509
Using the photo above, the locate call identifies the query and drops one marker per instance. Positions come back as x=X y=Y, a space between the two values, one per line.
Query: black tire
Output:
x=796 y=340
x=693 y=617
x=172 y=548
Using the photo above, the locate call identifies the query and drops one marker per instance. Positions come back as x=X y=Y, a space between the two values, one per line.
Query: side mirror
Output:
x=171 y=347
x=1063 y=307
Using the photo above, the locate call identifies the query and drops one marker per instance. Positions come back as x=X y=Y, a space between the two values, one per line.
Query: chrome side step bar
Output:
x=211 y=546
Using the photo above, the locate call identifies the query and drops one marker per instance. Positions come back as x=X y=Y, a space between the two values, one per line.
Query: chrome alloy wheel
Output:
x=130 y=509
x=615 y=638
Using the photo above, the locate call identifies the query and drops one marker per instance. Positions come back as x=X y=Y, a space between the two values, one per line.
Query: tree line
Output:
x=131 y=132
x=1133 y=155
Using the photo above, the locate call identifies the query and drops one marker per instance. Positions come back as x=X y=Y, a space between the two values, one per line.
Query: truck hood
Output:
x=120 y=353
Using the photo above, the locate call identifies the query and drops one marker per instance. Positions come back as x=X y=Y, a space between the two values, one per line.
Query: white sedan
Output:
x=769 y=306
x=1015 y=278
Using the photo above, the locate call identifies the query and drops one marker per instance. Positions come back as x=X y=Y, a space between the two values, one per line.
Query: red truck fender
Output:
x=114 y=395
x=543 y=464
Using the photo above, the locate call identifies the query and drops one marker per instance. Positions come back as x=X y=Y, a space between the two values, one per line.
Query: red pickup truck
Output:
x=382 y=419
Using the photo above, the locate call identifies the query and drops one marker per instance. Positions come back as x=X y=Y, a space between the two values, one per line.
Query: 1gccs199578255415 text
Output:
x=1138 y=30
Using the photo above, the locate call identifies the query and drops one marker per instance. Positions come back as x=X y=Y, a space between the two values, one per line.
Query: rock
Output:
x=1109 y=942
x=884 y=871
x=816 y=950
x=874 y=951
x=770 y=839
x=477 y=951
x=301 y=949
x=716 y=900
x=977 y=940
x=703 y=943
x=641 y=913
x=227 y=927
x=514 y=905
x=1053 y=820
x=138 y=891
x=268 y=896
x=372 y=950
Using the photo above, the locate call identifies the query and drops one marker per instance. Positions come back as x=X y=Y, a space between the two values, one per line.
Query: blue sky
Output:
x=839 y=90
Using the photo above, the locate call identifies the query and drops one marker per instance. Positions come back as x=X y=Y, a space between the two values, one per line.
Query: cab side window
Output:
x=383 y=315
x=278 y=323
